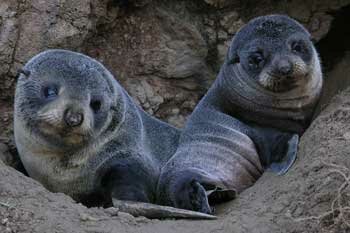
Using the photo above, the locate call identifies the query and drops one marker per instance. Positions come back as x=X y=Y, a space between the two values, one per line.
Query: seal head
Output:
x=66 y=107
x=275 y=51
x=272 y=74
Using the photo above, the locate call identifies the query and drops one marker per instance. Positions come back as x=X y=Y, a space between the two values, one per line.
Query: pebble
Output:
x=4 y=221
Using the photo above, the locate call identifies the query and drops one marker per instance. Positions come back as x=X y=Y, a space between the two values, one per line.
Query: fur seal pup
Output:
x=251 y=117
x=78 y=132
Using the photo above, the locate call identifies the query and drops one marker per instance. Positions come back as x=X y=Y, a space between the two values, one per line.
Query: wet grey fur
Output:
x=240 y=128
x=118 y=154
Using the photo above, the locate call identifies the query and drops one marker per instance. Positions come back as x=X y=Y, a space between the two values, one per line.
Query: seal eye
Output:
x=256 y=60
x=95 y=105
x=50 y=92
x=298 y=47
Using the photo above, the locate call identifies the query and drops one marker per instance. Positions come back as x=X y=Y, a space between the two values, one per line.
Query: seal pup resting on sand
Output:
x=250 y=119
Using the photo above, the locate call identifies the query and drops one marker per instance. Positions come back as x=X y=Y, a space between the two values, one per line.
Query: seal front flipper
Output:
x=219 y=195
x=128 y=181
x=193 y=190
x=277 y=150
x=284 y=164
x=199 y=197
x=192 y=195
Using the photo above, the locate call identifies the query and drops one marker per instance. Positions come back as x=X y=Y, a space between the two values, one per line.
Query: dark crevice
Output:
x=334 y=50
x=333 y=47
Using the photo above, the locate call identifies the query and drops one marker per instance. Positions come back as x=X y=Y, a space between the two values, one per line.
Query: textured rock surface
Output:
x=312 y=197
x=165 y=53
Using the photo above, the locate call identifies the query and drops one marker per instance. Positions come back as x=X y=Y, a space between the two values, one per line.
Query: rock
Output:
x=177 y=120
x=181 y=50
x=300 y=10
x=222 y=51
x=126 y=216
x=8 y=38
x=146 y=96
x=222 y=35
x=85 y=217
x=133 y=3
x=4 y=221
x=320 y=25
x=112 y=211
x=211 y=35
x=62 y=30
x=231 y=22
x=219 y=3
x=5 y=155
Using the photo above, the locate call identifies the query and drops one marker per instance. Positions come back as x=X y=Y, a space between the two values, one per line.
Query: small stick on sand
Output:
x=156 y=211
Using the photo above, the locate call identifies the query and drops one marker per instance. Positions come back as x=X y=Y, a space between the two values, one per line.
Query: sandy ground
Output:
x=312 y=197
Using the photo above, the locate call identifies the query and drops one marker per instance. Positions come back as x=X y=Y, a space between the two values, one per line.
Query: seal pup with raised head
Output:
x=78 y=132
x=251 y=117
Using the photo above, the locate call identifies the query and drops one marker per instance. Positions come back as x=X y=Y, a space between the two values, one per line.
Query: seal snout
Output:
x=73 y=118
x=284 y=73
x=284 y=67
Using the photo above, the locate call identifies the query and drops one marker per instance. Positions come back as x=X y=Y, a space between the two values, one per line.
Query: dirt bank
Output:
x=312 y=197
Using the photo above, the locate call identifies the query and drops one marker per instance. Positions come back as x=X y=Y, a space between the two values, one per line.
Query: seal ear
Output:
x=24 y=72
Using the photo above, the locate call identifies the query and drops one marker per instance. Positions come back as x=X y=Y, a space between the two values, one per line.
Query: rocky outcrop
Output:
x=165 y=53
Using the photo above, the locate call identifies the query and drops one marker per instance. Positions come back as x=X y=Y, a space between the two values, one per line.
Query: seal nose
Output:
x=73 y=118
x=284 y=67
